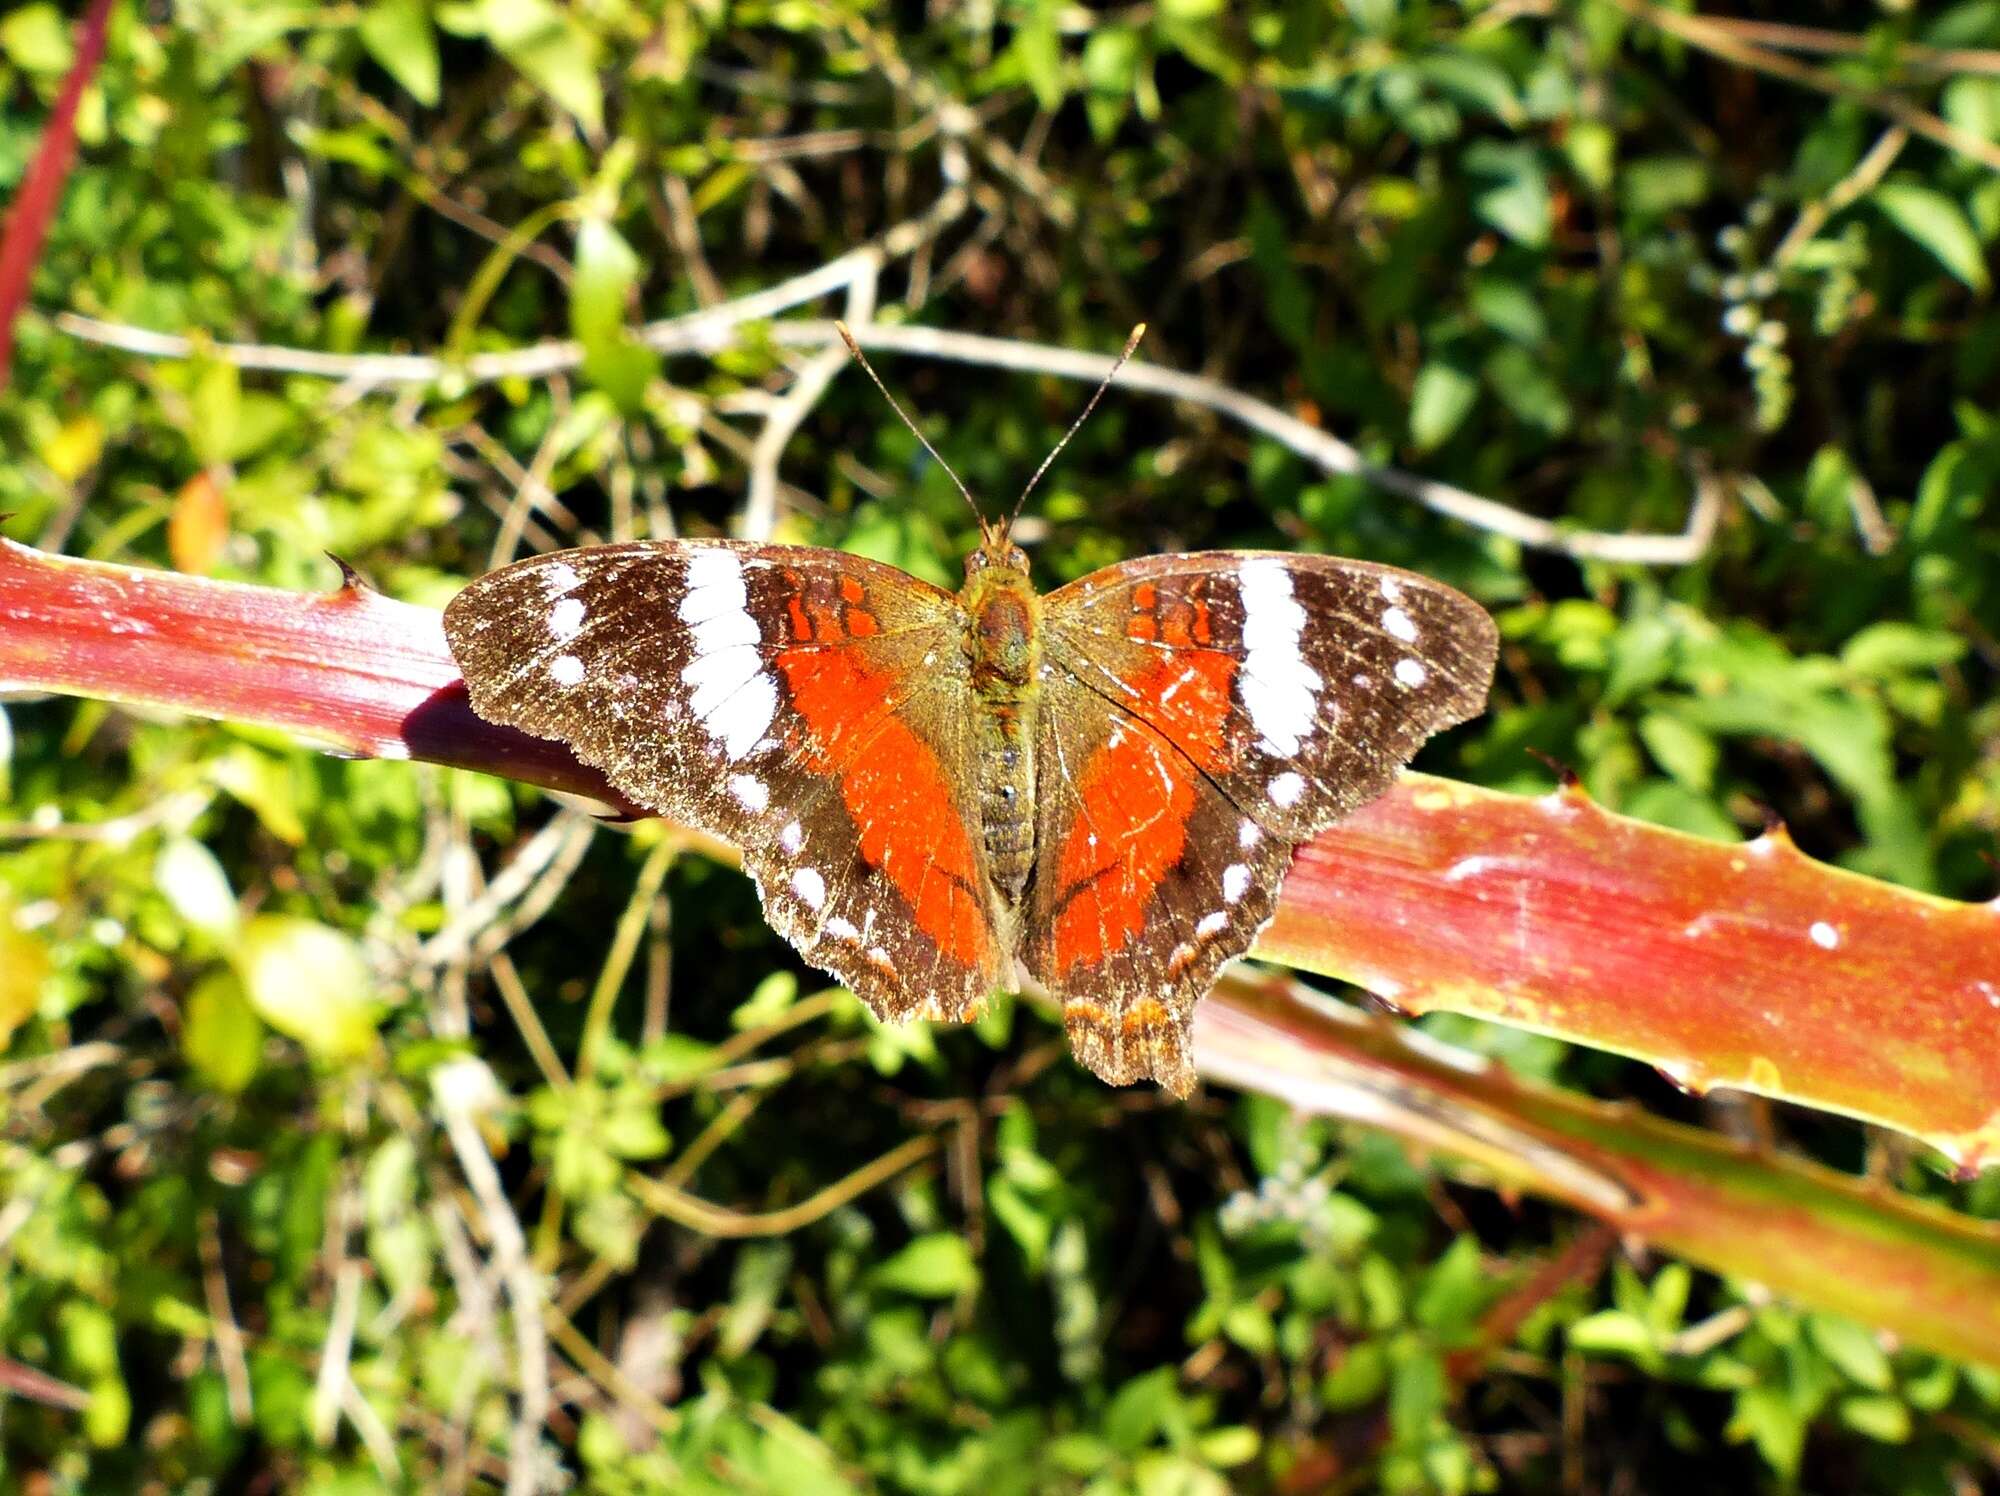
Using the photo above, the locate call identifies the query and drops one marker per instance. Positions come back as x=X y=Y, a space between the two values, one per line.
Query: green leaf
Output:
x=264 y=785
x=1037 y=51
x=309 y=982
x=36 y=39
x=1658 y=185
x=1358 y=1378
x=1442 y=397
x=399 y=36
x=762 y=1269
x=194 y=883
x=1883 y=1419
x=1853 y=1348
x=1613 y=1332
x=1939 y=224
x=607 y=274
x=1682 y=749
x=1766 y=1417
x=1141 y=1409
x=1454 y=1290
x=214 y=402
x=1516 y=200
x=938 y=1266
x=552 y=51
x=1884 y=650
x=221 y=1037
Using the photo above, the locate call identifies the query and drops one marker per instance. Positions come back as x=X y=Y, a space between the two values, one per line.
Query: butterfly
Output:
x=939 y=794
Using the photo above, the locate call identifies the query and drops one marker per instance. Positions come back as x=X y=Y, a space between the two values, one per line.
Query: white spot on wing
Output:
x=1212 y=924
x=1392 y=589
x=1411 y=673
x=750 y=791
x=1247 y=835
x=1279 y=689
x=810 y=887
x=1235 y=883
x=560 y=577
x=792 y=838
x=1824 y=935
x=566 y=617
x=1400 y=624
x=566 y=670
x=732 y=692
x=842 y=929
x=1286 y=789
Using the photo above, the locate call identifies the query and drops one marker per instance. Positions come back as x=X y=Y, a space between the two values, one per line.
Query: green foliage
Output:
x=267 y=1062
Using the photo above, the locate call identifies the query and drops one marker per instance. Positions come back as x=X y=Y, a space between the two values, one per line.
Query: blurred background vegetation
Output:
x=317 y=1072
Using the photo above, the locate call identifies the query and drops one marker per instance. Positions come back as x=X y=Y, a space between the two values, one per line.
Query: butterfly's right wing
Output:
x=805 y=704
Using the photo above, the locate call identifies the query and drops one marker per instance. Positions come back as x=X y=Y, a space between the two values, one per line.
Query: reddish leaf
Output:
x=198 y=526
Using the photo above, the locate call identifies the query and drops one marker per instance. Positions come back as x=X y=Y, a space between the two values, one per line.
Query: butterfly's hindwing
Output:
x=1202 y=715
x=1147 y=880
x=799 y=703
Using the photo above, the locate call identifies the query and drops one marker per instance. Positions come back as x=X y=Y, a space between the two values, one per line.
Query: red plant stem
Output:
x=1746 y=965
x=41 y=189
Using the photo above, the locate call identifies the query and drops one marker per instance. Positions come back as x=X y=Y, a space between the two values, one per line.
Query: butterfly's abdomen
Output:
x=1006 y=652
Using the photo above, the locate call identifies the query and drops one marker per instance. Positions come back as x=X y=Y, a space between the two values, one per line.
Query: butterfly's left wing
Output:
x=807 y=705
x=1201 y=716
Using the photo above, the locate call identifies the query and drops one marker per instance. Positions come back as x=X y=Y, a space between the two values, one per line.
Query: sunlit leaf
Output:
x=310 y=983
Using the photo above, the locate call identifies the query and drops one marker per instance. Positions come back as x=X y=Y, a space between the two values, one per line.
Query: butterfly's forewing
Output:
x=803 y=704
x=1204 y=714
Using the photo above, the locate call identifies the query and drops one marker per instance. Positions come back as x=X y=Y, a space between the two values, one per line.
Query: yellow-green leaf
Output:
x=24 y=968
x=309 y=982
x=221 y=1035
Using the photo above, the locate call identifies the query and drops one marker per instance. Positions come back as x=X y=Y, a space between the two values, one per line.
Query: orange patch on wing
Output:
x=862 y=624
x=1137 y=796
x=1186 y=697
x=1144 y=1016
x=896 y=793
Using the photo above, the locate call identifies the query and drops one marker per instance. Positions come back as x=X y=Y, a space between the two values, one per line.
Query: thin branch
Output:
x=462 y=1088
x=1791 y=38
x=222 y=1322
x=1705 y=34
x=715 y=1220
x=1866 y=173
x=1328 y=451
x=608 y=1376
x=555 y=849
x=760 y=509
x=339 y=1346
x=625 y=939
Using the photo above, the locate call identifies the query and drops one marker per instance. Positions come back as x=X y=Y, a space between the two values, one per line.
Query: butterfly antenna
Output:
x=1131 y=347
x=862 y=359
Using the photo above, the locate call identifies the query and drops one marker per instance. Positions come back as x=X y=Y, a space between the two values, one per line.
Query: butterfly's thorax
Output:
x=1004 y=645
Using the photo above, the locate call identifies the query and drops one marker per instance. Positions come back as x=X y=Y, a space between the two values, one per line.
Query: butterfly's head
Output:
x=995 y=550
